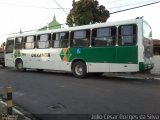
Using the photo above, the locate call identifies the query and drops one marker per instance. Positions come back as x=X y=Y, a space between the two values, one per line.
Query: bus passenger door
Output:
x=9 y=56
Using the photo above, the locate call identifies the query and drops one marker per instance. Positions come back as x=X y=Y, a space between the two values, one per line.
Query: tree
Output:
x=3 y=45
x=85 y=12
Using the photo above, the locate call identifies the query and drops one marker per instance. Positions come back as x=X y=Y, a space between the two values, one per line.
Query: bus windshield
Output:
x=147 y=40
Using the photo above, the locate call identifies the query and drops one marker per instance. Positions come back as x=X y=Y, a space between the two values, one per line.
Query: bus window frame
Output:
x=35 y=42
x=54 y=39
x=135 y=36
x=65 y=39
x=49 y=41
x=113 y=37
x=88 y=39
x=21 y=43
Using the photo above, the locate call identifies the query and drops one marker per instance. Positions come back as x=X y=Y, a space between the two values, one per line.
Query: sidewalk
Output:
x=134 y=75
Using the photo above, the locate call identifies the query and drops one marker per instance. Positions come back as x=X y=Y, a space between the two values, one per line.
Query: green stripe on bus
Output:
x=117 y=54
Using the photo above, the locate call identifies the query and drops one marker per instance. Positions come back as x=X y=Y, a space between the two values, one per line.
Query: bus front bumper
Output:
x=143 y=66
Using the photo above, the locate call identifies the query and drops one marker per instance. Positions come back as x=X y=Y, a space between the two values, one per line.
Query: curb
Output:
x=138 y=77
x=129 y=77
x=15 y=111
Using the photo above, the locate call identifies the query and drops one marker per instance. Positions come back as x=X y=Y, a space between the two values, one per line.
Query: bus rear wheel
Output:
x=96 y=74
x=19 y=66
x=79 y=69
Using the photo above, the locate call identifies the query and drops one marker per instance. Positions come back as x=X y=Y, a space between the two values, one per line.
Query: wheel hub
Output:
x=20 y=66
x=79 y=70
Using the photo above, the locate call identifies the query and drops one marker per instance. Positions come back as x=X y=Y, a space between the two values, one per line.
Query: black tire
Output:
x=97 y=74
x=19 y=66
x=79 y=69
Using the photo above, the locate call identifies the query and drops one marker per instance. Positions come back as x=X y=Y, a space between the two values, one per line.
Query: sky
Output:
x=34 y=14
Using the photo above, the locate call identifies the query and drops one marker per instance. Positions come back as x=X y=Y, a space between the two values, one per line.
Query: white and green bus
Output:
x=123 y=46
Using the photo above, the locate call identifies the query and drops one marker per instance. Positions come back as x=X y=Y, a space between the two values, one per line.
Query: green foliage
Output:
x=87 y=11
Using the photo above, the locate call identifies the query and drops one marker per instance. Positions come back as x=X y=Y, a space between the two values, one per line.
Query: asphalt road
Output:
x=47 y=93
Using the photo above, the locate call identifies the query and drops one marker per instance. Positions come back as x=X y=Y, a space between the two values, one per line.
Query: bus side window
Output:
x=64 y=36
x=104 y=36
x=60 y=40
x=80 y=38
x=127 y=35
x=44 y=41
x=18 y=43
x=29 y=42
x=55 y=40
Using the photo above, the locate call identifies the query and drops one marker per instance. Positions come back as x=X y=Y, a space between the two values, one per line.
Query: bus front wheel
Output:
x=19 y=66
x=3 y=65
x=79 y=69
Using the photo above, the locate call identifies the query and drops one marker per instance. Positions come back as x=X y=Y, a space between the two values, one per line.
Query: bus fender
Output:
x=76 y=60
x=17 y=59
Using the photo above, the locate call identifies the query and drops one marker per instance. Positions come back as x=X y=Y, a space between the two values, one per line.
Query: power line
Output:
x=62 y=9
x=128 y=5
x=135 y=7
x=110 y=13
x=60 y=6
